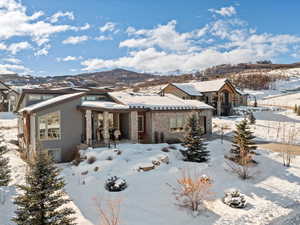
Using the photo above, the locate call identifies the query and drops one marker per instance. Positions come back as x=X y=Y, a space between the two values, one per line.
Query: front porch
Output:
x=104 y=126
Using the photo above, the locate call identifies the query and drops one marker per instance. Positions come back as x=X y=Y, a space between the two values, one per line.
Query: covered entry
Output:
x=106 y=122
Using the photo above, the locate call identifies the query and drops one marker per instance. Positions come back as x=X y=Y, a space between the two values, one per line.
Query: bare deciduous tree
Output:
x=289 y=140
x=192 y=189
x=109 y=211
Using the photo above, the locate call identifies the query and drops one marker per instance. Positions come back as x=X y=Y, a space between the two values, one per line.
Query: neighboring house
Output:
x=60 y=124
x=220 y=93
x=8 y=98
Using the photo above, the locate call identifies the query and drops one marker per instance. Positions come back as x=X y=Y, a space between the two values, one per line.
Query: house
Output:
x=61 y=123
x=219 y=93
x=8 y=98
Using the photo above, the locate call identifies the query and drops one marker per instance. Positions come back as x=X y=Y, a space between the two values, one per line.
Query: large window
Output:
x=49 y=126
x=177 y=123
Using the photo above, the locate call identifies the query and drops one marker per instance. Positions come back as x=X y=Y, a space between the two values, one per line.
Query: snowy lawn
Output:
x=148 y=199
x=272 y=193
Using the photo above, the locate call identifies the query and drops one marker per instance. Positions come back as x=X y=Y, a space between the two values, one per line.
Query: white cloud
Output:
x=103 y=38
x=164 y=50
x=55 y=17
x=109 y=26
x=12 y=68
x=12 y=60
x=69 y=58
x=163 y=36
x=224 y=11
x=153 y=61
x=3 y=46
x=75 y=39
x=85 y=27
x=16 y=22
x=16 y=47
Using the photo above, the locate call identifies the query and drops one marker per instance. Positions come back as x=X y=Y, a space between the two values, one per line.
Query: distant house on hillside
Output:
x=220 y=93
x=60 y=122
x=8 y=98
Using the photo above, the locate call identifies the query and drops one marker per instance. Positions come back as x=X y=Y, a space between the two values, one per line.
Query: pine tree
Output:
x=295 y=108
x=195 y=147
x=251 y=118
x=42 y=201
x=298 y=111
x=4 y=167
x=255 y=102
x=243 y=146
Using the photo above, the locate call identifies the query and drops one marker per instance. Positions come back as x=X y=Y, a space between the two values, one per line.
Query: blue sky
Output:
x=75 y=36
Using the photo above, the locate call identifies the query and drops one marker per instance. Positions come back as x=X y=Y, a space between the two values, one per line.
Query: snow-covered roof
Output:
x=197 y=88
x=103 y=105
x=241 y=92
x=157 y=102
x=49 y=102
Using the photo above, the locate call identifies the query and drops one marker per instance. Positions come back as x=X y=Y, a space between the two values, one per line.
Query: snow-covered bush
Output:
x=115 y=184
x=91 y=159
x=234 y=199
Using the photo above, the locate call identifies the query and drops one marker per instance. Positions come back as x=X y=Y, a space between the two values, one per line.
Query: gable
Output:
x=172 y=89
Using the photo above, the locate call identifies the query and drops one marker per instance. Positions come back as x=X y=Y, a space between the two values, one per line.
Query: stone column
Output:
x=105 y=127
x=88 y=118
x=133 y=125
x=219 y=106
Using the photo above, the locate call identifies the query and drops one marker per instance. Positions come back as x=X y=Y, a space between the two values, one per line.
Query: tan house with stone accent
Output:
x=61 y=123
x=220 y=93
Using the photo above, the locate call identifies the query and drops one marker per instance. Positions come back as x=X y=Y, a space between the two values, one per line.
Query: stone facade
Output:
x=160 y=123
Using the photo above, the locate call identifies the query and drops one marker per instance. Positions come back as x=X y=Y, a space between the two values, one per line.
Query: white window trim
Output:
x=49 y=139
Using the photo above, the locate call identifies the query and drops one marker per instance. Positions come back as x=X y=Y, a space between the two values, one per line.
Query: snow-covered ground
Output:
x=280 y=87
x=272 y=194
x=148 y=199
x=271 y=126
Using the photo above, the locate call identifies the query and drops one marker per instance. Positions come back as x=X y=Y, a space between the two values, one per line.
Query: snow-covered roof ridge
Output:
x=157 y=102
x=103 y=104
x=197 y=88
x=50 y=101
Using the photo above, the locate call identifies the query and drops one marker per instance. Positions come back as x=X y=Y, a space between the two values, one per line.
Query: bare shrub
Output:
x=76 y=157
x=91 y=159
x=287 y=154
x=242 y=170
x=192 y=189
x=109 y=211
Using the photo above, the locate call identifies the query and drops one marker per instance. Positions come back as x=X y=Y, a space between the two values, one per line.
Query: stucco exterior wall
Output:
x=71 y=128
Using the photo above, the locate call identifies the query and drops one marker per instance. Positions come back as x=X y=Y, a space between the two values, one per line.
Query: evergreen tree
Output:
x=295 y=108
x=42 y=201
x=251 y=118
x=4 y=167
x=195 y=147
x=255 y=102
x=298 y=111
x=243 y=146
